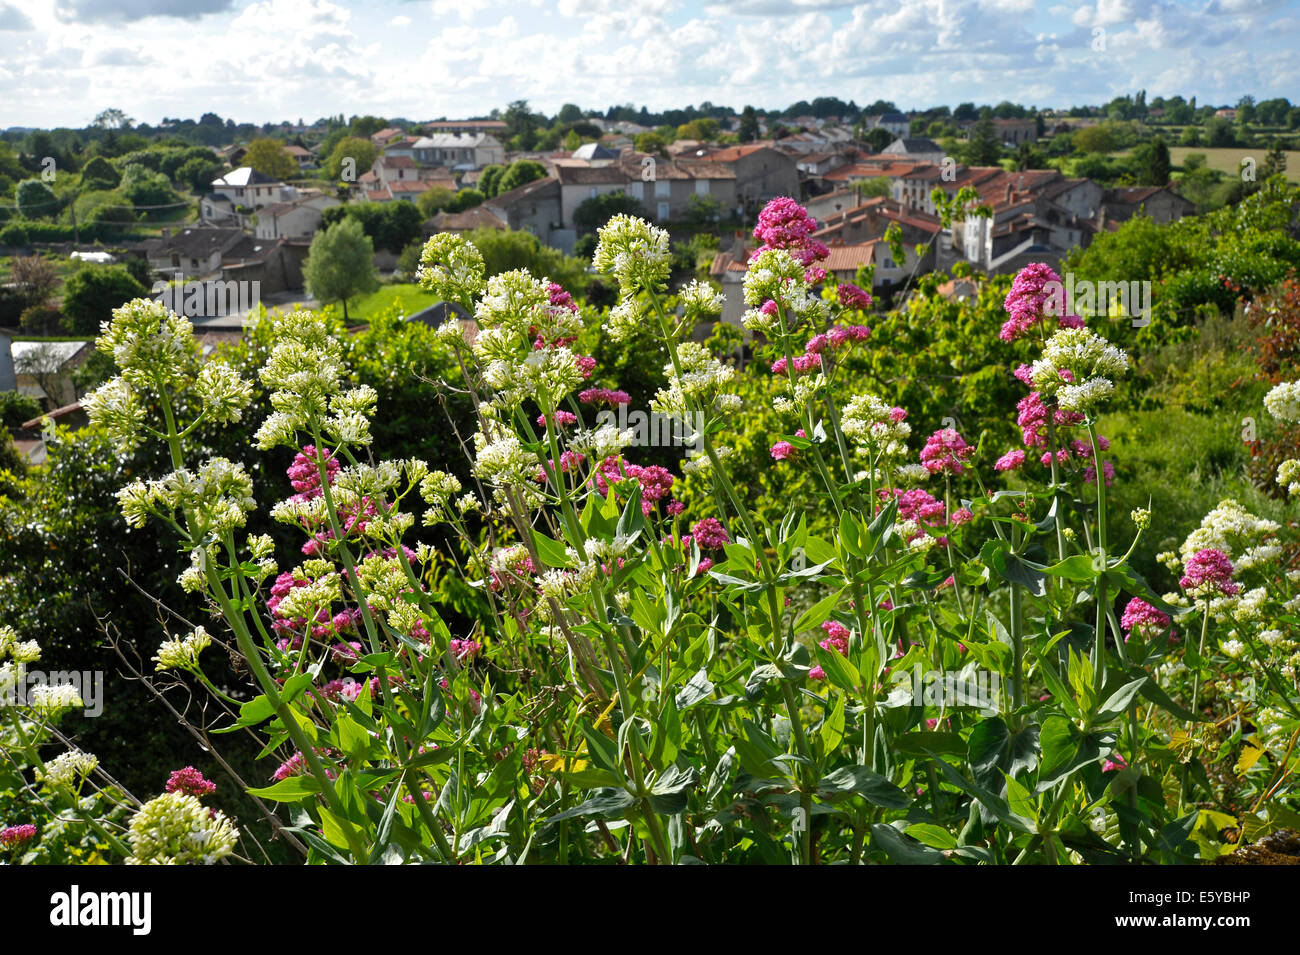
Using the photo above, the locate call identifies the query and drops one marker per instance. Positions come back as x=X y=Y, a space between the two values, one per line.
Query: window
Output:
x=663 y=211
x=662 y=188
x=701 y=187
x=591 y=194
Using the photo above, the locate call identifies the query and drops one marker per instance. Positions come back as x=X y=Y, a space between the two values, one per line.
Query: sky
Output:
x=63 y=61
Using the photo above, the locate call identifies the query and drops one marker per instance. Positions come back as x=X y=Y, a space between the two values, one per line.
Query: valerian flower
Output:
x=636 y=253
x=176 y=829
x=451 y=268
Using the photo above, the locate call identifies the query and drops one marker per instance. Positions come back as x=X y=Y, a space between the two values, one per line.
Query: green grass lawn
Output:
x=406 y=297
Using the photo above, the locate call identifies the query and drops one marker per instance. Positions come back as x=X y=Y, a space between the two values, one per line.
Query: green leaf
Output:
x=289 y=789
x=1118 y=701
x=697 y=688
x=838 y=669
x=902 y=849
x=1078 y=568
x=862 y=781
x=552 y=553
x=1020 y=801
x=607 y=803
x=933 y=836
x=849 y=534
x=995 y=750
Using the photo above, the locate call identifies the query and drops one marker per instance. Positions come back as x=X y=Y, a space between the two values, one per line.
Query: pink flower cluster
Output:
x=1209 y=571
x=710 y=534
x=946 y=451
x=1140 y=616
x=11 y=837
x=655 y=482
x=1027 y=302
x=465 y=650
x=784 y=224
x=604 y=396
x=189 y=781
x=853 y=297
x=304 y=475
x=562 y=419
x=569 y=461
x=782 y=450
x=837 y=639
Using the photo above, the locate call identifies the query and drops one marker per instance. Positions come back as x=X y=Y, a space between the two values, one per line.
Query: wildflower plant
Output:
x=661 y=676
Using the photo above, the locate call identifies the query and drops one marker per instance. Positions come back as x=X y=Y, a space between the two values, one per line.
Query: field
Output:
x=1228 y=159
x=409 y=298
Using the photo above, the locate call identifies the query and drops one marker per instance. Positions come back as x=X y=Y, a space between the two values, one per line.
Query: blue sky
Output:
x=62 y=61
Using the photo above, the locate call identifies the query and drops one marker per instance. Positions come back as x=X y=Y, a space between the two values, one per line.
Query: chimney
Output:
x=1008 y=195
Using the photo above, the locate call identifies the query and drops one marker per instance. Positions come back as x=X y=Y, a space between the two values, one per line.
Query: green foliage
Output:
x=340 y=264
x=99 y=174
x=36 y=200
x=269 y=156
x=91 y=294
x=360 y=152
x=593 y=213
x=391 y=226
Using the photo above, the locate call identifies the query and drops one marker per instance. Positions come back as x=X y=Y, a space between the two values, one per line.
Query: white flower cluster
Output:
x=1288 y=475
x=451 y=268
x=437 y=488
x=224 y=394
x=19 y=651
x=117 y=408
x=700 y=300
x=322 y=589
x=1078 y=367
x=546 y=375
x=703 y=378
x=513 y=300
x=384 y=581
x=182 y=653
x=773 y=274
x=217 y=496
x=875 y=427
x=1247 y=540
x=67 y=770
x=176 y=829
x=151 y=344
x=304 y=372
x=636 y=253
x=501 y=459
x=1283 y=401
x=51 y=702
x=600 y=442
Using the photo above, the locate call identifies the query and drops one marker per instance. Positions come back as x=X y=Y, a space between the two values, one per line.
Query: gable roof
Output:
x=195 y=242
x=244 y=176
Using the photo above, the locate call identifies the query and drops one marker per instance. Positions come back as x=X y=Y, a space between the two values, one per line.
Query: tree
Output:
x=432 y=201
x=1095 y=139
x=144 y=187
x=1153 y=165
x=34 y=278
x=965 y=111
x=521 y=125
x=568 y=113
x=650 y=142
x=878 y=138
x=749 y=130
x=1274 y=162
x=198 y=174
x=704 y=130
x=100 y=174
x=391 y=226
x=1219 y=132
x=113 y=119
x=270 y=157
x=341 y=264
x=91 y=294
x=519 y=173
x=465 y=199
x=362 y=152
x=36 y=200
x=593 y=213
x=488 y=179
x=876 y=186
x=985 y=147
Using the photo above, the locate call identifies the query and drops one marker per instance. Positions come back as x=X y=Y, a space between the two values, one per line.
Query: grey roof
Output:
x=196 y=242
x=244 y=176
x=593 y=151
